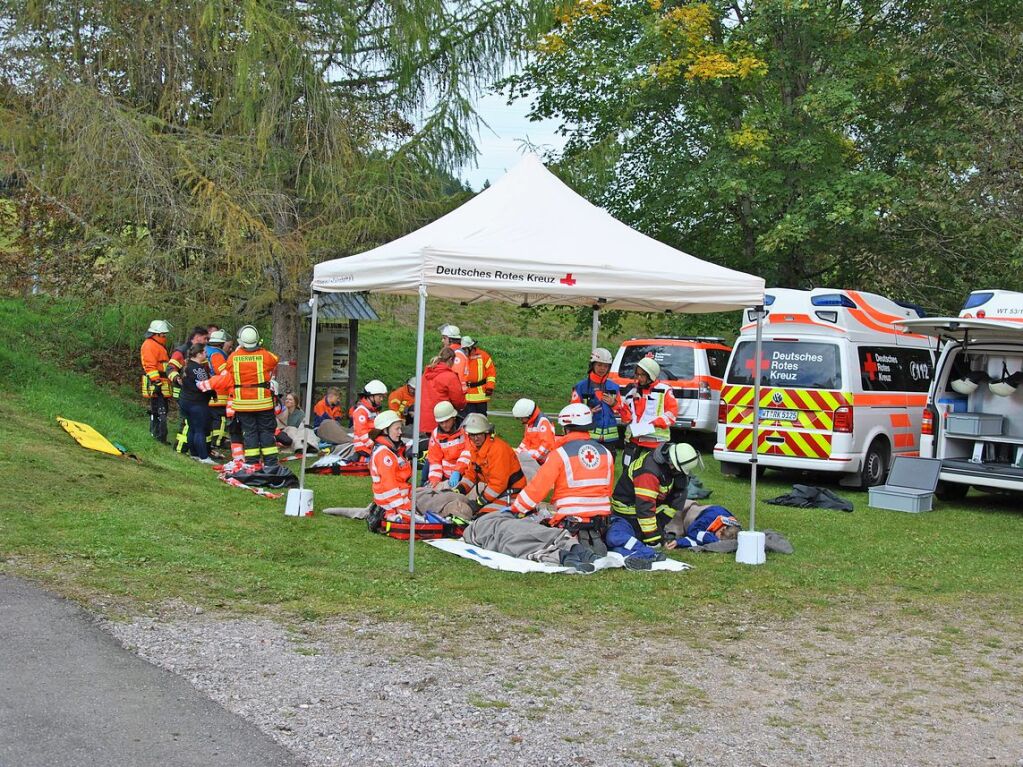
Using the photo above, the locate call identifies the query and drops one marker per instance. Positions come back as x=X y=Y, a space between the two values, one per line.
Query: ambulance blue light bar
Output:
x=833 y=299
x=977 y=299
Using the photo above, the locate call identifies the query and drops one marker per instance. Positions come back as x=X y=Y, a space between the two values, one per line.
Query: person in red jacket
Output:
x=440 y=384
x=448 y=451
x=389 y=468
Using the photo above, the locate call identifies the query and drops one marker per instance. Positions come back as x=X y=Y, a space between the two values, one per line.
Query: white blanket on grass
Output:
x=497 y=561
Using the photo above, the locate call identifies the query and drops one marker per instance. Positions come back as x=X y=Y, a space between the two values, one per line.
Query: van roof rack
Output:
x=699 y=339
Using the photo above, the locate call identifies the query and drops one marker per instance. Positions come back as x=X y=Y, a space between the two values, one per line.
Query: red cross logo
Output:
x=567 y=279
x=764 y=364
x=870 y=367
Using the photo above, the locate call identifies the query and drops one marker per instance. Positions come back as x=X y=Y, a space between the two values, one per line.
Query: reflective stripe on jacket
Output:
x=362 y=421
x=538 y=438
x=580 y=472
x=447 y=453
x=587 y=391
x=251 y=371
x=323 y=411
x=401 y=399
x=154 y=367
x=494 y=471
x=391 y=473
x=480 y=376
x=656 y=407
x=646 y=489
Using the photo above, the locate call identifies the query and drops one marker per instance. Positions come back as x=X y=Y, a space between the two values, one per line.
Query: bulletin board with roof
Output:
x=335 y=362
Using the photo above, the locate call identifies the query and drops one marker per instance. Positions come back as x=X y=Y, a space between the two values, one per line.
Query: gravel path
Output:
x=879 y=689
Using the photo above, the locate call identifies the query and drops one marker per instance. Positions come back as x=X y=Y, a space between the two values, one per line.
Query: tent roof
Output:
x=531 y=240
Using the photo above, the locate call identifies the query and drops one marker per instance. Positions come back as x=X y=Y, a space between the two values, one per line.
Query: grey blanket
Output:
x=519 y=537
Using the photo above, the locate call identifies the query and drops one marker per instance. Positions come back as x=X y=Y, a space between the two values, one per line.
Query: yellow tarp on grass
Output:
x=86 y=436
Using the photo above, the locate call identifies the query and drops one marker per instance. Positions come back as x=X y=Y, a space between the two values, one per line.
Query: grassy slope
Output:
x=98 y=526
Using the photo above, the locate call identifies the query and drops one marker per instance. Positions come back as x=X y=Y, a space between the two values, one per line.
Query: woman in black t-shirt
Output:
x=195 y=403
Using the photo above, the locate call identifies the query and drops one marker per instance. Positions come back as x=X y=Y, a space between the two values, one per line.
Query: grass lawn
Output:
x=133 y=535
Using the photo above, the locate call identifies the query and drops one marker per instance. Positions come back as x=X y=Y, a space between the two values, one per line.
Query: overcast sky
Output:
x=501 y=146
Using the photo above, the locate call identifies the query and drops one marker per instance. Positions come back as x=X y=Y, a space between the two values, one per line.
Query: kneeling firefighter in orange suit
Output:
x=580 y=475
x=494 y=471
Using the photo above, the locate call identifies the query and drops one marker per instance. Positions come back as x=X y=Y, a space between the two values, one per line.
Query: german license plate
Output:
x=779 y=415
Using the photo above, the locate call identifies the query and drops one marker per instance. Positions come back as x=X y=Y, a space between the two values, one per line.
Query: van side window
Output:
x=677 y=362
x=893 y=368
x=717 y=362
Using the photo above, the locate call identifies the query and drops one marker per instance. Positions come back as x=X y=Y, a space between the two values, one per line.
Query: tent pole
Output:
x=755 y=448
x=596 y=327
x=311 y=360
x=421 y=331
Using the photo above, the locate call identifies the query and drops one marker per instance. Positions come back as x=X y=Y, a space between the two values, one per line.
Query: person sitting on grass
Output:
x=327 y=413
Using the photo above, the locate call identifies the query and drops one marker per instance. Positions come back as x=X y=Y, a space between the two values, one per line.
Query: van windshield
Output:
x=788 y=364
x=677 y=362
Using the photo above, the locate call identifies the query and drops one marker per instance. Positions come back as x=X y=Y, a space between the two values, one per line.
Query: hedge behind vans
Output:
x=842 y=388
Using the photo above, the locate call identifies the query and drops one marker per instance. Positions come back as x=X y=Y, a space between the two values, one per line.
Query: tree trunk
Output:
x=286 y=326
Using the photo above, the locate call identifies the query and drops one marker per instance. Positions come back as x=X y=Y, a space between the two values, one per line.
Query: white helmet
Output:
x=651 y=368
x=968 y=383
x=576 y=414
x=450 y=331
x=442 y=411
x=385 y=419
x=375 y=387
x=682 y=456
x=218 y=337
x=477 y=423
x=411 y=383
x=159 y=327
x=1007 y=384
x=468 y=342
x=600 y=354
x=523 y=408
x=248 y=337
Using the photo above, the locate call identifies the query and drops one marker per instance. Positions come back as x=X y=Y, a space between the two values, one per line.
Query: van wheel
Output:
x=875 y=465
x=951 y=491
x=729 y=469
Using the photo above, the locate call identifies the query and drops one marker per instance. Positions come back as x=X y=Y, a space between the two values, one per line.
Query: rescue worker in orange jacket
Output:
x=447 y=452
x=538 y=438
x=493 y=471
x=451 y=337
x=250 y=368
x=403 y=399
x=217 y=362
x=155 y=385
x=480 y=377
x=389 y=467
x=365 y=410
x=579 y=474
x=649 y=409
x=329 y=408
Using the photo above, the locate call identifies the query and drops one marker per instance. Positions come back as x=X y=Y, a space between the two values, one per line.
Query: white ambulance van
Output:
x=843 y=389
x=974 y=417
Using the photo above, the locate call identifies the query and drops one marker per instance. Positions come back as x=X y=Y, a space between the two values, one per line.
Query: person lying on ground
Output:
x=493 y=478
x=652 y=490
x=448 y=451
x=701 y=525
x=507 y=534
x=579 y=474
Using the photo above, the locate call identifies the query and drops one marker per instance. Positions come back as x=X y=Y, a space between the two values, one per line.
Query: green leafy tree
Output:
x=793 y=139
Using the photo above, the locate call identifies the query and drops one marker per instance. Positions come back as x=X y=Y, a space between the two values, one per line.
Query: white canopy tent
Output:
x=530 y=240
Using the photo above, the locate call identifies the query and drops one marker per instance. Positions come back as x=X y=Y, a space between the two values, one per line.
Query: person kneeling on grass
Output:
x=493 y=478
x=579 y=473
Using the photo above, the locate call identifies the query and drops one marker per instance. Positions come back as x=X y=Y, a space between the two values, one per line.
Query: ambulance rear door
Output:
x=802 y=395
